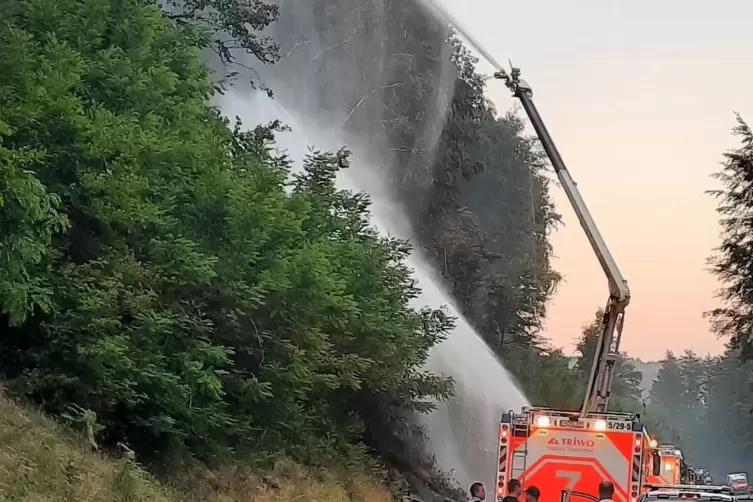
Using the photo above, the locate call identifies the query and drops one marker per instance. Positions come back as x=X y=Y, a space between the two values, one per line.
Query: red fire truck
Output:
x=558 y=450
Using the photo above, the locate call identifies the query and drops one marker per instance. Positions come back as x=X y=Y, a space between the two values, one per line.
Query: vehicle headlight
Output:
x=543 y=421
x=600 y=425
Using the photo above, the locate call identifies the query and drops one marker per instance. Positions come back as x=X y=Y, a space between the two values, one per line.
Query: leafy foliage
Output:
x=235 y=26
x=165 y=282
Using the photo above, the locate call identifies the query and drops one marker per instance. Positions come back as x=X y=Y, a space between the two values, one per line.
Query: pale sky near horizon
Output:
x=640 y=98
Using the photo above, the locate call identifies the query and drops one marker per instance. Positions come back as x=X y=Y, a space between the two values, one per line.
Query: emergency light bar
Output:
x=689 y=488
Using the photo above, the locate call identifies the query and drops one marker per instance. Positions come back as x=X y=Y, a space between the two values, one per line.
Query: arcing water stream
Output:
x=463 y=431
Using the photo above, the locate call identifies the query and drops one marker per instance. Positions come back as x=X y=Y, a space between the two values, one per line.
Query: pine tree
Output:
x=733 y=261
x=668 y=387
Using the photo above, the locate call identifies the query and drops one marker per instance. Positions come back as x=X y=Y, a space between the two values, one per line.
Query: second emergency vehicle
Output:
x=673 y=469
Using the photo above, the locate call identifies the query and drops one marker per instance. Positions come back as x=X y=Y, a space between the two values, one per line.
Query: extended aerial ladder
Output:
x=599 y=385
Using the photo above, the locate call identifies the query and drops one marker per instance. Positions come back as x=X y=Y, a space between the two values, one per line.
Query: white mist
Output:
x=463 y=431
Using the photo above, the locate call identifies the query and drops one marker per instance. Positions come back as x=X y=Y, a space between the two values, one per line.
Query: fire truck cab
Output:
x=560 y=450
x=673 y=469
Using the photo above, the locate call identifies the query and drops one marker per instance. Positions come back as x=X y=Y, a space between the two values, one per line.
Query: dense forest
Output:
x=170 y=284
x=706 y=406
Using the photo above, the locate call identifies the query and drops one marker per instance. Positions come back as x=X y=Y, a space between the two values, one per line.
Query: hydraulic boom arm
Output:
x=608 y=344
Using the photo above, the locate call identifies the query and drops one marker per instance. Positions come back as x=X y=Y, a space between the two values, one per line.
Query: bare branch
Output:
x=297 y=44
x=340 y=44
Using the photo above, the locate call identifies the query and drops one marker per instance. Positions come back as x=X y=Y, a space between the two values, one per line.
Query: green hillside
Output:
x=41 y=462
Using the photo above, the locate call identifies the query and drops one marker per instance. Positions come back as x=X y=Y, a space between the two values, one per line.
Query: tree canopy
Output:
x=157 y=272
x=235 y=30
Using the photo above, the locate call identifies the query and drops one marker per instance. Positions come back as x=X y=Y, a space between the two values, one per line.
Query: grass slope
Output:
x=41 y=462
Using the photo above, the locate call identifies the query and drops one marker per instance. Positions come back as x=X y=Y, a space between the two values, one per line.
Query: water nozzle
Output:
x=512 y=79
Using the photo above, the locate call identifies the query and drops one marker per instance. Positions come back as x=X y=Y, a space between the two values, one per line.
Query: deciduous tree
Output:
x=167 y=282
